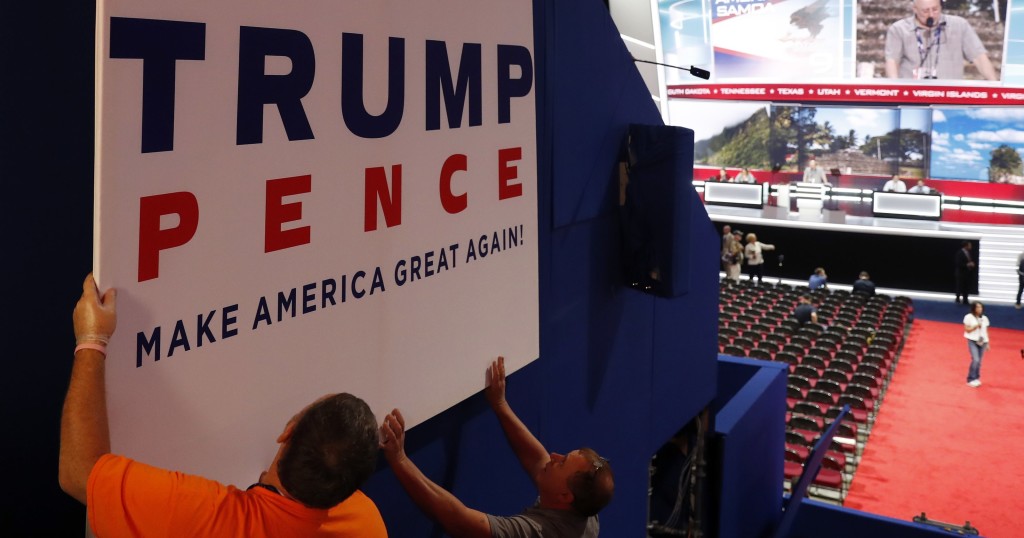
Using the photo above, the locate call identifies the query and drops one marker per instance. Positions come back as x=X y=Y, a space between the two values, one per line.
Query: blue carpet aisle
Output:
x=1002 y=316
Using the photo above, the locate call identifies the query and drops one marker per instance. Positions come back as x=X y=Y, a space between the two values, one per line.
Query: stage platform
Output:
x=904 y=256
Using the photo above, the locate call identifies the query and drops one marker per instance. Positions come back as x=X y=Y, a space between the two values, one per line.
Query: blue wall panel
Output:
x=821 y=519
x=613 y=361
x=596 y=93
x=596 y=348
x=750 y=428
x=645 y=371
x=686 y=335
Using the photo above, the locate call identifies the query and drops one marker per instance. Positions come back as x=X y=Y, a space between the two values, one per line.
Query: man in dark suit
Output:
x=805 y=312
x=962 y=271
x=864 y=284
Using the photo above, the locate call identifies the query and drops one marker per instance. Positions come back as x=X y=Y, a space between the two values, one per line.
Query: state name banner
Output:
x=917 y=94
x=301 y=199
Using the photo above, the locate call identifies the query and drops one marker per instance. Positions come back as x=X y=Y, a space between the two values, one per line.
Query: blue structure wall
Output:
x=750 y=418
x=619 y=370
x=822 y=519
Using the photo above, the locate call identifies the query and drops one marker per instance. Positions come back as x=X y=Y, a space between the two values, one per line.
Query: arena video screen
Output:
x=879 y=141
x=842 y=40
x=799 y=79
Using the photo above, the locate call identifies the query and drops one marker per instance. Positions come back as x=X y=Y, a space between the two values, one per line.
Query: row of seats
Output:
x=846 y=359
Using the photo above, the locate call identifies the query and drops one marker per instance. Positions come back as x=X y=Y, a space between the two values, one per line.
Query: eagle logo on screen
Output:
x=811 y=17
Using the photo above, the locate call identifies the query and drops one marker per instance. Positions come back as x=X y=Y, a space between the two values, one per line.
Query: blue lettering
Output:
x=329 y=287
x=353 y=107
x=256 y=89
x=482 y=246
x=414 y=268
x=159 y=44
x=442 y=261
x=453 y=247
x=428 y=264
x=262 y=313
x=150 y=345
x=285 y=304
x=179 y=339
x=400 y=274
x=358 y=293
x=308 y=298
x=378 y=281
x=226 y=329
x=203 y=328
x=508 y=87
x=439 y=84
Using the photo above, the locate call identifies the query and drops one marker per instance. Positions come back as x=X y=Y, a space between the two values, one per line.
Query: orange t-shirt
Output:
x=128 y=498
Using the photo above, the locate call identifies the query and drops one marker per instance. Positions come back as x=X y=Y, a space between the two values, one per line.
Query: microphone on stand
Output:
x=693 y=70
x=929 y=22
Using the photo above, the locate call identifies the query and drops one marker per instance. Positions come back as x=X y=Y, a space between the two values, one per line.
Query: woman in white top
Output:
x=976 y=333
x=745 y=176
x=755 y=258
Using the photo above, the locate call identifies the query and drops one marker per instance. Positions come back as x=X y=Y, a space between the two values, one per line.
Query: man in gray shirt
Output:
x=571 y=489
x=814 y=173
x=930 y=45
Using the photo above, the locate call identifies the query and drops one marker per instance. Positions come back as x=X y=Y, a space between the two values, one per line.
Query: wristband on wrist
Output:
x=92 y=338
x=97 y=347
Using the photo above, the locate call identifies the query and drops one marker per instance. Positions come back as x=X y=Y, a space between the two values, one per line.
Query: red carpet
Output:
x=941 y=447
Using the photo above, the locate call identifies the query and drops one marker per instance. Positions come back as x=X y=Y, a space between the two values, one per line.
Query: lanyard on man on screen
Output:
x=925 y=52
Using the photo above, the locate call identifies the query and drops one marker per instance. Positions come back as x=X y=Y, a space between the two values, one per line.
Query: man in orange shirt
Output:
x=326 y=452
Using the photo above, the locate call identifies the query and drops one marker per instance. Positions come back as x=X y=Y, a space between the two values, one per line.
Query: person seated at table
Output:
x=895 y=185
x=921 y=188
x=722 y=177
x=745 y=176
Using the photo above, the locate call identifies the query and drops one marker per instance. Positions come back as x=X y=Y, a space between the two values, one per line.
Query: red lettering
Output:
x=451 y=203
x=390 y=201
x=153 y=239
x=279 y=213
x=507 y=173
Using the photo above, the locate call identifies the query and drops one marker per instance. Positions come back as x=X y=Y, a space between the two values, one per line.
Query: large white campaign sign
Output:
x=296 y=199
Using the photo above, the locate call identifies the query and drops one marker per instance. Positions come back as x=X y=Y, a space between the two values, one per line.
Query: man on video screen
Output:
x=930 y=45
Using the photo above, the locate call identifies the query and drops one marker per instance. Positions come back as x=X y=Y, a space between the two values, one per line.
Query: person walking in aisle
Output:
x=1020 y=278
x=755 y=257
x=976 y=333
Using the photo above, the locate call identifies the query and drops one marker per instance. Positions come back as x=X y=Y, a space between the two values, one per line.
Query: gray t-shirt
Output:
x=814 y=175
x=945 y=47
x=537 y=522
